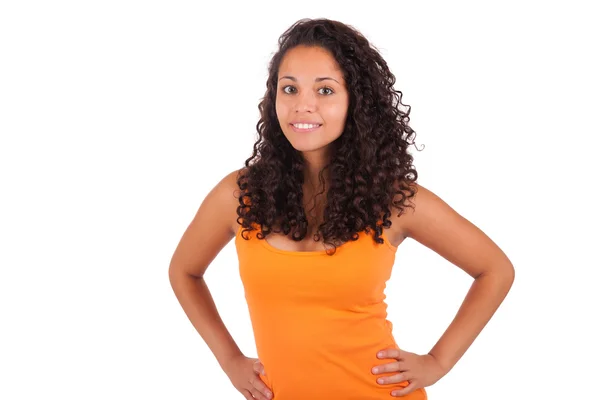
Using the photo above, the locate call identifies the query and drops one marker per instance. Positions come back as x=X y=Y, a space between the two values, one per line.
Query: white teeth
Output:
x=306 y=126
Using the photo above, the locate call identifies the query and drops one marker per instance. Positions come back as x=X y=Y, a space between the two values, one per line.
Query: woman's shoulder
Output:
x=229 y=181
x=228 y=192
x=222 y=200
x=405 y=196
x=217 y=214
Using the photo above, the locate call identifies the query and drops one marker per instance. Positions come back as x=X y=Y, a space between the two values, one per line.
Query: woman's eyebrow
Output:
x=316 y=79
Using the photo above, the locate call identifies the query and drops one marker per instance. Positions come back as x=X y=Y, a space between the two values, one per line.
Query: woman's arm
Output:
x=436 y=225
x=209 y=231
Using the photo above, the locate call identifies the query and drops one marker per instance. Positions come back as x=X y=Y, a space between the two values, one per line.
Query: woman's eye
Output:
x=328 y=91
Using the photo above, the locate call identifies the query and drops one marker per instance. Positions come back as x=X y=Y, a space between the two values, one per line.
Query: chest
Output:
x=355 y=275
x=284 y=243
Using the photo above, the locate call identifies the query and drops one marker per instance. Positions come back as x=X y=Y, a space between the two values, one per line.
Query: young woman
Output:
x=318 y=213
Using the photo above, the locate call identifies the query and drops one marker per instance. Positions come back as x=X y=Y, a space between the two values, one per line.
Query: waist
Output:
x=325 y=358
x=329 y=375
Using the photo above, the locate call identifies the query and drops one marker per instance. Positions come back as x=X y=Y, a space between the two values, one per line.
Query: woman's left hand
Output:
x=419 y=370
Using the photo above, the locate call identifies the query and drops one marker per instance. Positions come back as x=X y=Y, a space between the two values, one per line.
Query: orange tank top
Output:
x=319 y=320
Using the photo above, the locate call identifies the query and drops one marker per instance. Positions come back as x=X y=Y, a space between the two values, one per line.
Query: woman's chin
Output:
x=305 y=148
x=307 y=145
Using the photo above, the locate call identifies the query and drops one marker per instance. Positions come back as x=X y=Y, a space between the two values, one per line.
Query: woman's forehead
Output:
x=309 y=63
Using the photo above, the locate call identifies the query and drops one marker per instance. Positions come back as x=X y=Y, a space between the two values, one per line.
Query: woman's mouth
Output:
x=303 y=128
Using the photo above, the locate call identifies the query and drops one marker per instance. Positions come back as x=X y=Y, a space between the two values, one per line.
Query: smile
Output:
x=305 y=127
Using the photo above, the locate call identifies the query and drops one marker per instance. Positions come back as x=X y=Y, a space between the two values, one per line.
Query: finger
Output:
x=390 y=353
x=261 y=387
x=397 y=378
x=257 y=394
x=247 y=394
x=403 y=392
x=390 y=367
x=258 y=367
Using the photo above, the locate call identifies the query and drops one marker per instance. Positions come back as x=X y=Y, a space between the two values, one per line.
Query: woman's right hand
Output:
x=243 y=372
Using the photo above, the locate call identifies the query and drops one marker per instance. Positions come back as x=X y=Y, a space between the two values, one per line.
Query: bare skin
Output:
x=435 y=225
x=193 y=255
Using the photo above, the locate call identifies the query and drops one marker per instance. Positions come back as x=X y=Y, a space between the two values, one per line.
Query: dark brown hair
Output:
x=370 y=168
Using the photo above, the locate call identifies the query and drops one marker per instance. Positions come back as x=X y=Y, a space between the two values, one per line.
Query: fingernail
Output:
x=269 y=395
x=380 y=380
x=375 y=370
x=380 y=354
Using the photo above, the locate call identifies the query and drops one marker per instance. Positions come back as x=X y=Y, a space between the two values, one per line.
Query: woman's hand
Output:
x=419 y=370
x=243 y=372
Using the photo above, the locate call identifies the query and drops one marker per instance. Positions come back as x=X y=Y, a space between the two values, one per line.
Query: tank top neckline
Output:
x=313 y=253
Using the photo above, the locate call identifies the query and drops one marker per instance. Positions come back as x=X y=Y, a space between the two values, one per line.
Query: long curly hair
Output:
x=370 y=169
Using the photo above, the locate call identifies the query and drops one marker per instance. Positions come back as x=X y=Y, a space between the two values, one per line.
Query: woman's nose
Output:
x=307 y=101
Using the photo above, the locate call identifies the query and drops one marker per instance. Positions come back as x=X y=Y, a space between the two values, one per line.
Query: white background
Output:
x=118 y=117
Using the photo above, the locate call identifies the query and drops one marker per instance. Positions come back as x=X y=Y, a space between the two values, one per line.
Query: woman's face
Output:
x=312 y=99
